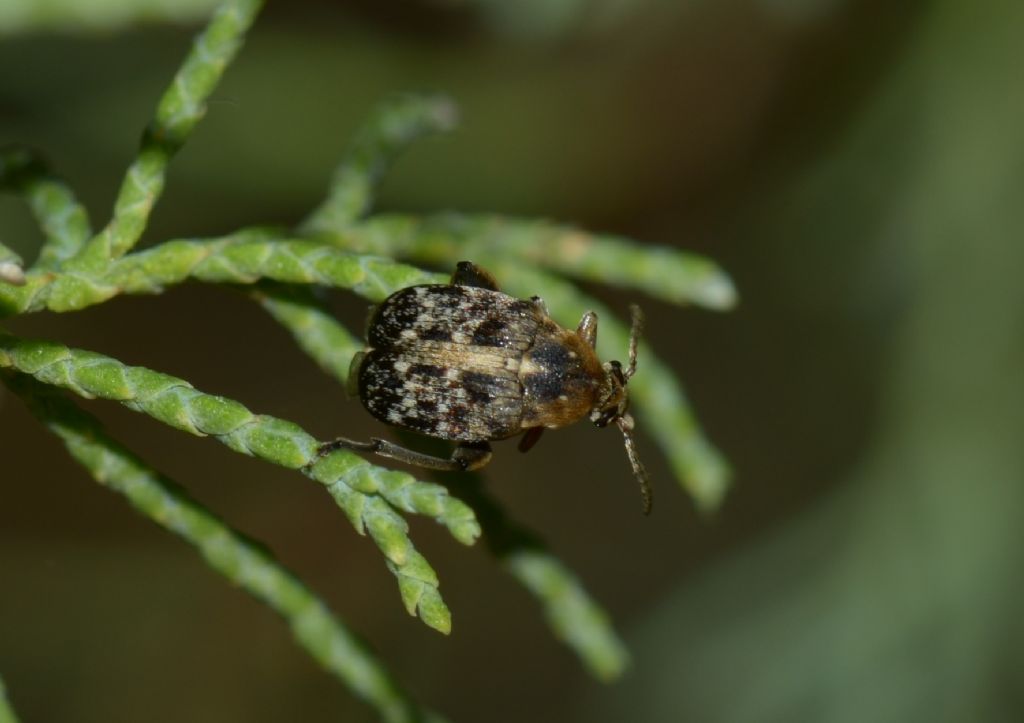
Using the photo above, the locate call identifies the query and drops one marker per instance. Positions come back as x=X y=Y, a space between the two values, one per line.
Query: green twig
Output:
x=360 y=488
x=315 y=329
x=241 y=261
x=180 y=108
x=665 y=273
x=243 y=258
x=387 y=132
x=574 y=616
x=81 y=17
x=242 y=562
x=62 y=218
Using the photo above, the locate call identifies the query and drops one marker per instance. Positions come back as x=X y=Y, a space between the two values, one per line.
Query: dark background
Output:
x=857 y=167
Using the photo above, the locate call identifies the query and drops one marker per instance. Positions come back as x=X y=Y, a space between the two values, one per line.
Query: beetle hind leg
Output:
x=466 y=457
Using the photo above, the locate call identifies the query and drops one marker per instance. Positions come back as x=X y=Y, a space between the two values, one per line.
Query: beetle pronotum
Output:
x=464 y=362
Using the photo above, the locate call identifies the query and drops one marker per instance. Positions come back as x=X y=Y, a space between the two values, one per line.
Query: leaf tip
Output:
x=435 y=613
x=12 y=273
x=719 y=293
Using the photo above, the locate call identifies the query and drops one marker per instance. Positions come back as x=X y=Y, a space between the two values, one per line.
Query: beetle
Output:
x=465 y=362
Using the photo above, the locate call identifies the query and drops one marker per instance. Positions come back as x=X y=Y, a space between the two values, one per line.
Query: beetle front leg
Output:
x=587 y=330
x=466 y=457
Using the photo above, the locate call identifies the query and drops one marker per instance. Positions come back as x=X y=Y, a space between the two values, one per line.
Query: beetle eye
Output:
x=616 y=371
x=607 y=406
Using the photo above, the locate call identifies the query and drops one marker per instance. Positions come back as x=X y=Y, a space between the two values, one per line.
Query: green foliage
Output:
x=368 y=494
x=19 y=16
x=242 y=562
x=665 y=273
x=570 y=611
x=337 y=246
x=64 y=221
x=395 y=125
x=180 y=108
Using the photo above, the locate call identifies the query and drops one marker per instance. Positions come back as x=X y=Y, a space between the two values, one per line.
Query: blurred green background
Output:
x=857 y=166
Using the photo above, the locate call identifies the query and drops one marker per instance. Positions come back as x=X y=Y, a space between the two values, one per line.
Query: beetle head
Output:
x=613 y=406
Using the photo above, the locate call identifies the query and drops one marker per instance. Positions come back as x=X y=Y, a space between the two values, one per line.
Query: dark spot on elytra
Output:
x=423 y=425
x=426 y=407
x=557 y=374
x=480 y=388
x=491 y=332
x=426 y=370
x=551 y=356
x=434 y=333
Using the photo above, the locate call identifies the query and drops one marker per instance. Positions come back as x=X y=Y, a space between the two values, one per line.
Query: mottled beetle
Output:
x=467 y=363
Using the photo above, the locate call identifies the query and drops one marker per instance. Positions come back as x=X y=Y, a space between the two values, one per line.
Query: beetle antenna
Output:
x=625 y=423
x=634 y=338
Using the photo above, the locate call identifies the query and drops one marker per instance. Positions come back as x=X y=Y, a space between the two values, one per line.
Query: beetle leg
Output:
x=465 y=457
x=529 y=439
x=352 y=382
x=587 y=330
x=625 y=424
x=469 y=274
x=471 y=455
